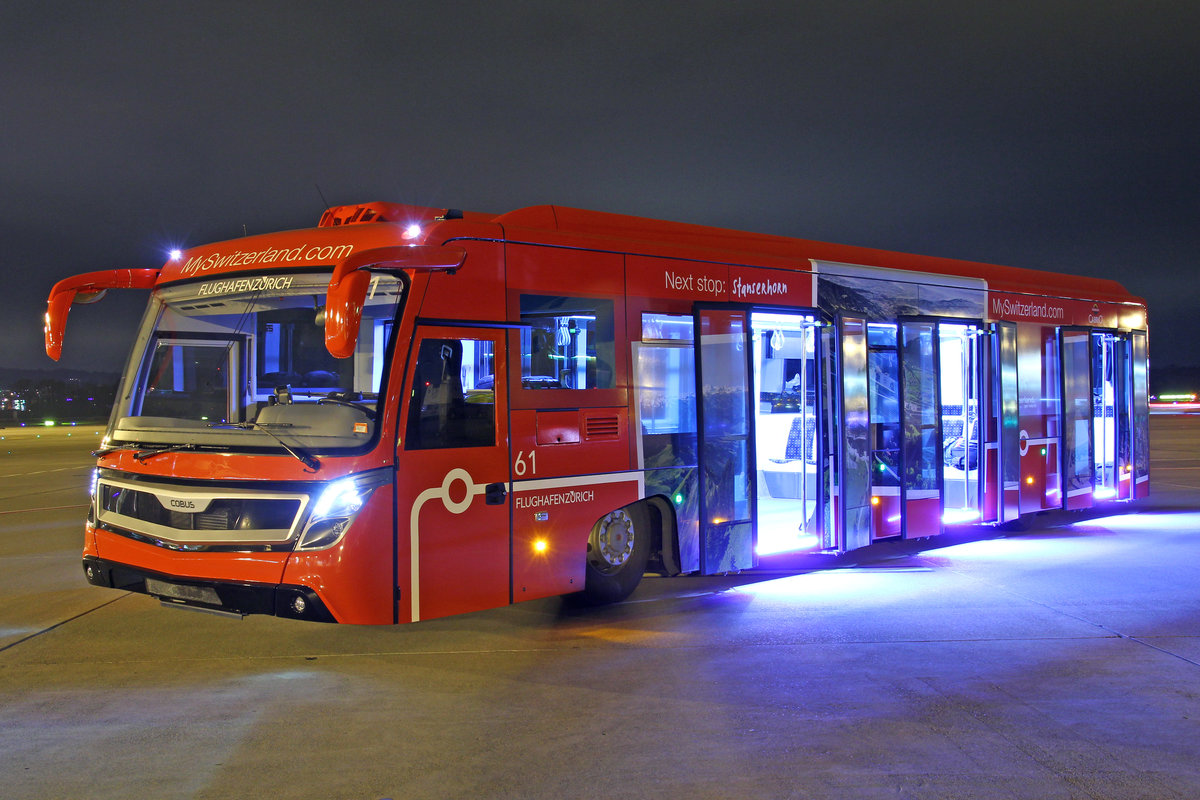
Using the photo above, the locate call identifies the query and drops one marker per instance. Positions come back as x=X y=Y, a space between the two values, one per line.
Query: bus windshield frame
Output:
x=239 y=363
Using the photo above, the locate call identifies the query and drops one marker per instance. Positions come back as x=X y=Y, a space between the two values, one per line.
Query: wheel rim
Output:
x=615 y=540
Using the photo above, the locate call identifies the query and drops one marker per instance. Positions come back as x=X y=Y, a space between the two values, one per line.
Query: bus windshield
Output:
x=241 y=362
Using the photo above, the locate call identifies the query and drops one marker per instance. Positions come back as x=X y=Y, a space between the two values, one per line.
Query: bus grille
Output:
x=221 y=515
x=163 y=513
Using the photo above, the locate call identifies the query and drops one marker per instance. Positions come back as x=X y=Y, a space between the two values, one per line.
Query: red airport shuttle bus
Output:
x=406 y=413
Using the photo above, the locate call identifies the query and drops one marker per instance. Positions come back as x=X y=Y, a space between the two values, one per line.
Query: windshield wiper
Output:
x=301 y=456
x=142 y=453
x=103 y=451
x=150 y=452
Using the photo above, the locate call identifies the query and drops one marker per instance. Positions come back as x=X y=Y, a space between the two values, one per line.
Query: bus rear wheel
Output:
x=617 y=552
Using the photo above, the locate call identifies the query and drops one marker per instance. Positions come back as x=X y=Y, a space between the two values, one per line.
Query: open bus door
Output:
x=1003 y=465
x=1123 y=380
x=726 y=449
x=961 y=354
x=1078 y=481
x=854 y=507
x=787 y=428
x=1112 y=414
x=453 y=479
x=763 y=474
x=1140 y=382
x=920 y=422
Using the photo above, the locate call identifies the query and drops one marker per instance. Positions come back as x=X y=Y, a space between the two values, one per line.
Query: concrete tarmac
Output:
x=1060 y=663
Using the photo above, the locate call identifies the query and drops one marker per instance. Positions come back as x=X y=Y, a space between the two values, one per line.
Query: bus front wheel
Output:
x=617 y=552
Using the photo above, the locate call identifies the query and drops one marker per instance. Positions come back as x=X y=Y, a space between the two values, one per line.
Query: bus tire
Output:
x=617 y=552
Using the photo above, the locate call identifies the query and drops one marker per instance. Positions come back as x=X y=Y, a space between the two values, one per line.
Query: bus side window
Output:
x=568 y=342
x=453 y=401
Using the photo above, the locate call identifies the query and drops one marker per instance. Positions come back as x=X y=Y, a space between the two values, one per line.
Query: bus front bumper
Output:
x=280 y=600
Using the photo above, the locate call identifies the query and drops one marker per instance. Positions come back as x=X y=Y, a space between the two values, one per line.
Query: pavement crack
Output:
x=1162 y=650
x=61 y=623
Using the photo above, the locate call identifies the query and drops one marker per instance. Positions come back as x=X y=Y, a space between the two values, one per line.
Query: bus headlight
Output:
x=92 y=510
x=340 y=499
x=336 y=506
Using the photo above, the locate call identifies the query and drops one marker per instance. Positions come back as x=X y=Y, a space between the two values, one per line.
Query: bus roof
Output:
x=358 y=227
x=677 y=239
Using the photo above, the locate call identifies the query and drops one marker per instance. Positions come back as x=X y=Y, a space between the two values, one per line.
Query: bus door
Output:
x=883 y=389
x=1123 y=380
x=453 y=475
x=921 y=426
x=1078 y=416
x=787 y=431
x=960 y=412
x=726 y=448
x=853 y=441
x=1140 y=403
x=1112 y=415
x=1002 y=463
x=831 y=431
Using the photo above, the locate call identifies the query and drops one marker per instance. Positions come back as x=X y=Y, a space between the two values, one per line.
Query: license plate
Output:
x=190 y=594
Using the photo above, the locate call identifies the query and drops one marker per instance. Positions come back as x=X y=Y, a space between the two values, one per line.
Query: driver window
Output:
x=452 y=402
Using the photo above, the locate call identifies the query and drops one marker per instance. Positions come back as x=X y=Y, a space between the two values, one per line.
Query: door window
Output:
x=453 y=400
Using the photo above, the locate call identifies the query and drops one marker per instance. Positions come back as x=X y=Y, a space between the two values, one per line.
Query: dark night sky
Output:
x=1052 y=135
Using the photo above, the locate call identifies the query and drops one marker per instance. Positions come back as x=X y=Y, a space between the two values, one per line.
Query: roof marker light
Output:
x=176 y=254
x=412 y=231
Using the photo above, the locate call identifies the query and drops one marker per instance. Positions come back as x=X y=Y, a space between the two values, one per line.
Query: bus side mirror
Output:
x=86 y=288
x=343 y=312
x=348 y=286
